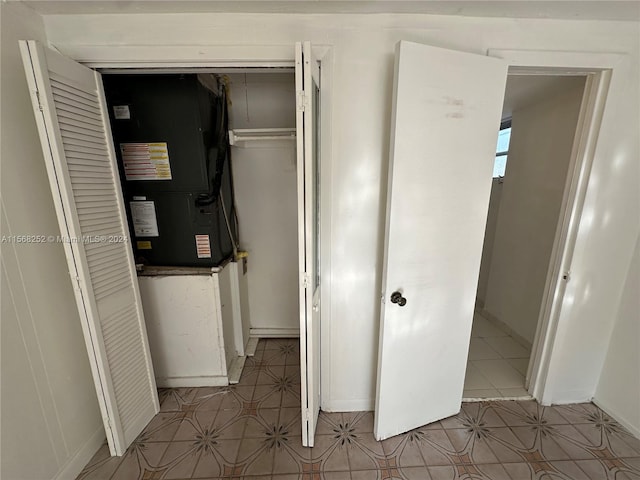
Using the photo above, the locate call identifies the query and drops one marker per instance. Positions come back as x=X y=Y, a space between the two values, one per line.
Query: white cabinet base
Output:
x=191 y=321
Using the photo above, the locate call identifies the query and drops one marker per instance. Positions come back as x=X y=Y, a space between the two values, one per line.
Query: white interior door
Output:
x=73 y=124
x=307 y=132
x=446 y=117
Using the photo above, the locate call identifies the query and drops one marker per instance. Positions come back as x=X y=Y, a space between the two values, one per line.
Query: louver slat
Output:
x=92 y=177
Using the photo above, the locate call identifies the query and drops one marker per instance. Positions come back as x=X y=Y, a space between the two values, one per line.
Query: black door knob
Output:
x=396 y=297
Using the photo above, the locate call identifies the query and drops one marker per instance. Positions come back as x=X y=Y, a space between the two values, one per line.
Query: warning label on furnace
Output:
x=143 y=216
x=146 y=161
x=203 y=246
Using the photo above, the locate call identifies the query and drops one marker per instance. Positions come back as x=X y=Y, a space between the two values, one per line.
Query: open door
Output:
x=70 y=111
x=307 y=132
x=446 y=117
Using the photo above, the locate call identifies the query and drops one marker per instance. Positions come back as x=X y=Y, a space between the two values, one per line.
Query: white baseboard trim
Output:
x=252 y=344
x=567 y=398
x=358 y=405
x=235 y=370
x=72 y=468
x=205 y=381
x=633 y=429
x=504 y=326
x=274 y=332
x=492 y=399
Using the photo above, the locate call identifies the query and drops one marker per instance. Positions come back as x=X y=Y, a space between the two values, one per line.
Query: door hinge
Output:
x=107 y=423
x=76 y=284
x=306 y=280
x=306 y=414
x=40 y=107
x=303 y=101
x=566 y=276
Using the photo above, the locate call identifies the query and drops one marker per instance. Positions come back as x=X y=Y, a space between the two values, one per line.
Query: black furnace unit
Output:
x=171 y=140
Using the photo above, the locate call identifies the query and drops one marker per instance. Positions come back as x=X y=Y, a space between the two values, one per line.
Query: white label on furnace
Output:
x=203 y=246
x=146 y=161
x=121 y=112
x=143 y=215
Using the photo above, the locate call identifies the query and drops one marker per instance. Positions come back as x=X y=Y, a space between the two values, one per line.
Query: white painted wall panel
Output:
x=265 y=185
x=489 y=238
x=226 y=312
x=184 y=325
x=264 y=175
x=262 y=100
x=618 y=389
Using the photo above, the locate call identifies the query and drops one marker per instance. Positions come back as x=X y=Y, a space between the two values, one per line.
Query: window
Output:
x=502 y=149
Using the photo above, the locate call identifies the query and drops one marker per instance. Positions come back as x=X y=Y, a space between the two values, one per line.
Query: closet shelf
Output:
x=241 y=135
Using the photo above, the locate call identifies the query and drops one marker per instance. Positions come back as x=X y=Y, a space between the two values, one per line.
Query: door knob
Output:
x=396 y=297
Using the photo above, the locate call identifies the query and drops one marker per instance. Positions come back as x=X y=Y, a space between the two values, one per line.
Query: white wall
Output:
x=264 y=175
x=542 y=137
x=51 y=423
x=618 y=390
x=489 y=238
x=362 y=63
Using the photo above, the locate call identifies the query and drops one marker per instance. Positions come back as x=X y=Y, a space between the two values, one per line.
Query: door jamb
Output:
x=598 y=70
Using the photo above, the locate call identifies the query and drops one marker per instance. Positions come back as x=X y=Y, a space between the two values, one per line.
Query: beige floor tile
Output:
x=571 y=470
x=481 y=393
x=494 y=471
x=475 y=380
x=443 y=472
x=365 y=475
x=520 y=364
x=415 y=473
x=482 y=328
x=513 y=392
x=336 y=475
x=499 y=373
x=479 y=349
x=507 y=347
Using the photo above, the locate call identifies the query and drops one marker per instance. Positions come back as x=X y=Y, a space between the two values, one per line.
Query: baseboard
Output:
x=503 y=326
x=567 y=397
x=633 y=429
x=274 y=332
x=72 y=468
x=235 y=370
x=205 y=381
x=358 y=405
x=493 y=399
x=252 y=344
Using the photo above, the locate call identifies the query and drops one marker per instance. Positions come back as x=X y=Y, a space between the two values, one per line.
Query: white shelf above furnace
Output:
x=240 y=136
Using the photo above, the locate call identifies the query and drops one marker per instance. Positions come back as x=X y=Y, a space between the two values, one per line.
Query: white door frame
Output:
x=166 y=59
x=598 y=69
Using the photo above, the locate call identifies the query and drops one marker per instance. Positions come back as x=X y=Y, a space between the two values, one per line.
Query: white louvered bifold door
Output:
x=73 y=123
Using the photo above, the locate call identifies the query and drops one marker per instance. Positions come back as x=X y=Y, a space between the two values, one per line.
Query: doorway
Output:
x=531 y=174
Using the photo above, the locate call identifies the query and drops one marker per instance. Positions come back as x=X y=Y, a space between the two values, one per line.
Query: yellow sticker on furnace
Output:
x=144 y=245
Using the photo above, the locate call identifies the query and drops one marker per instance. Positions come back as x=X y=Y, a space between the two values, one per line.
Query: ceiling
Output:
x=628 y=10
x=524 y=90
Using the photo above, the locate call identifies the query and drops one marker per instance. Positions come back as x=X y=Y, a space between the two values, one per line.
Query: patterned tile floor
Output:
x=252 y=431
